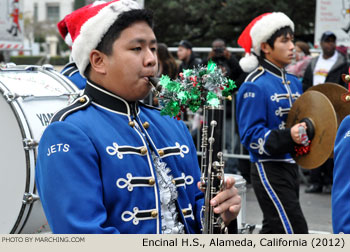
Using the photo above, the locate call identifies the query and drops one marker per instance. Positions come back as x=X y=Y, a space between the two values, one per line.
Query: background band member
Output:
x=263 y=103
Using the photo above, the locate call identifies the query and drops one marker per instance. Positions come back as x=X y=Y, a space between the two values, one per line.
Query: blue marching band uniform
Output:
x=71 y=71
x=91 y=172
x=341 y=180
x=263 y=103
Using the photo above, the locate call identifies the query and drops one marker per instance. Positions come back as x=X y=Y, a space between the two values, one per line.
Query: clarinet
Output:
x=212 y=168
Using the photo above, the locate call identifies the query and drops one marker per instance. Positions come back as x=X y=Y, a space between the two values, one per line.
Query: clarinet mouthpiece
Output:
x=154 y=81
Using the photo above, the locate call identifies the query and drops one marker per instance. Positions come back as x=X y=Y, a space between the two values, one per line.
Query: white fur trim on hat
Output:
x=267 y=26
x=68 y=40
x=93 y=30
x=248 y=63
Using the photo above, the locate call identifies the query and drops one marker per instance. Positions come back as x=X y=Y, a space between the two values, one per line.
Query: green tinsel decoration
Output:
x=202 y=85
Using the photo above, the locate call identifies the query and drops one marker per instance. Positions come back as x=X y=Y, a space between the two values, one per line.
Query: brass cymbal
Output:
x=319 y=110
x=334 y=93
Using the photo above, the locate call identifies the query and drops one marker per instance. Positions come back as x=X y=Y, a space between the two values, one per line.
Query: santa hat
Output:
x=84 y=28
x=258 y=31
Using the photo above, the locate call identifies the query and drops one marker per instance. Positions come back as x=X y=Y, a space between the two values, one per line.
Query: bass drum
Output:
x=30 y=95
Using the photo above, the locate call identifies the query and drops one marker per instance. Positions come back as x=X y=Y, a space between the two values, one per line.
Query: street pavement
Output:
x=316 y=208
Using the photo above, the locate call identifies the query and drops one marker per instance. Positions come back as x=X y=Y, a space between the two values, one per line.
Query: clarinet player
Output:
x=108 y=163
x=263 y=103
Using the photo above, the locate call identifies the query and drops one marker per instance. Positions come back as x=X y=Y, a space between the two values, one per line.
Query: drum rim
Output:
x=26 y=132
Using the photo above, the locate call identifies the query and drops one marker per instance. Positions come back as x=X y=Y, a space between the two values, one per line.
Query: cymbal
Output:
x=334 y=93
x=319 y=110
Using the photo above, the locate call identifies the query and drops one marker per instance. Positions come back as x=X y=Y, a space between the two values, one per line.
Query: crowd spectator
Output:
x=186 y=55
x=302 y=59
x=166 y=62
x=225 y=60
x=328 y=66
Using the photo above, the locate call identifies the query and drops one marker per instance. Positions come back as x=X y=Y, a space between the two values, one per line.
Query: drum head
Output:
x=316 y=107
x=13 y=174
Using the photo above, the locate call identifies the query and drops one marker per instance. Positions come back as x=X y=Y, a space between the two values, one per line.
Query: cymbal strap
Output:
x=304 y=147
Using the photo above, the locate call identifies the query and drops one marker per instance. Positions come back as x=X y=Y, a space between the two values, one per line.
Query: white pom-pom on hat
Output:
x=249 y=62
x=259 y=30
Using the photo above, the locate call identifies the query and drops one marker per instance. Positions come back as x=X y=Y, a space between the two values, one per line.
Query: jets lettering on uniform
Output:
x=44 y=118
x=347 y=134
x=57 y=148
x=249 y=94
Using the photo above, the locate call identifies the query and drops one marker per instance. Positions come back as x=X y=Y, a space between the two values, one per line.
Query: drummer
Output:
x=263 y=103
x=107 y=163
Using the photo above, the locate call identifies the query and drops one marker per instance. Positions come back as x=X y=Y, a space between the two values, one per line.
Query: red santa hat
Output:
x=83 y=29
x=258 y=31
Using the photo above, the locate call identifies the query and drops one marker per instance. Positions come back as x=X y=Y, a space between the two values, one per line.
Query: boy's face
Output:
x=282 y=53
x=133 y=60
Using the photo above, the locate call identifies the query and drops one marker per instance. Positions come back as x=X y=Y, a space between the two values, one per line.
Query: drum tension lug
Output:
x=29 y=144
x=48 y=67
x=31 y=68
x=29 y=198
x=10 y=96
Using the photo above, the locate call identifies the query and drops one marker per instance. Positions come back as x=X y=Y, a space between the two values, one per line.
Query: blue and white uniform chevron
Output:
x=95 y=172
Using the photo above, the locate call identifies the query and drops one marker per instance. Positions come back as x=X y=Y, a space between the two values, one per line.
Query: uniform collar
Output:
x=105 y=98
x=280 y=72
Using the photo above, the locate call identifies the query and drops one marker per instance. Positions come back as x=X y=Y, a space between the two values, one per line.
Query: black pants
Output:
x=276 y=186
x=323 y=175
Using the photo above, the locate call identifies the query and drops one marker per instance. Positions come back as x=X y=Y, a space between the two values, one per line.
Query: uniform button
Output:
x=82 y=100
x=145 y=125
x=161 y=153
x=173 y=181
x=151 y=181
x=288 y=82
x=260 y=68
x=287 y=95
x=347 y=98
x=154 y=214
x=132 y=124
x=143 y=150
x=347 y=77
x=184 y=211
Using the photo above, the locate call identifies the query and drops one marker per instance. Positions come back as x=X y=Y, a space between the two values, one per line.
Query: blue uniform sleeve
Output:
x=341 y=180
x=251 y=118
x=68 y=181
